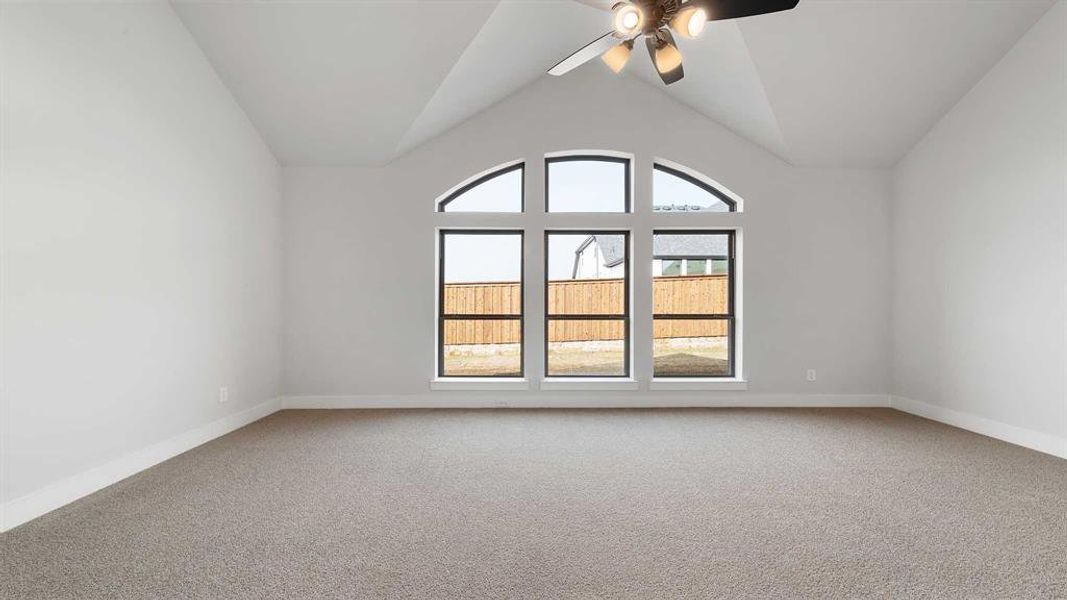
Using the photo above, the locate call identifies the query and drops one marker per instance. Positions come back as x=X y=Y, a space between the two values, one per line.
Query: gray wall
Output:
x=140 y=240
x=979 y=245
x=359 y=243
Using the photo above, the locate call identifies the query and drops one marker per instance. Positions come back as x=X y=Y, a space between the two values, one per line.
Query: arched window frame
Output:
x=503 y=169
x=626 y=160
x=730 y=199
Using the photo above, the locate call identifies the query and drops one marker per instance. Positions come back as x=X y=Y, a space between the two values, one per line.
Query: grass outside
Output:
x=692 y=357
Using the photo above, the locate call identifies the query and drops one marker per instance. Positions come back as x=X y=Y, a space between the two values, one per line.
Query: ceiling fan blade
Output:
x=674 y=74
x=719 y=10
x=587 y=52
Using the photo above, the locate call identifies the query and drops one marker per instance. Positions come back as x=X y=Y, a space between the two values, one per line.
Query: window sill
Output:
x=588 y=383
x=479 y=383
x=697 y=383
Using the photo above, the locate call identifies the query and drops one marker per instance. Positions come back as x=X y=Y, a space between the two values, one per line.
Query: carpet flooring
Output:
x=686 y=503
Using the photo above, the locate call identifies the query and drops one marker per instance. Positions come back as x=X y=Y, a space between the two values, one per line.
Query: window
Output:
x=696 y=335
x=587 y=184
x=587 y=304
x=498 y=191
x=679 y=192
x=480 y=304
x=693 y=315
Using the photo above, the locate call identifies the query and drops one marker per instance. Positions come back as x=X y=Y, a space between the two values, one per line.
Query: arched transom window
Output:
x=499 y=190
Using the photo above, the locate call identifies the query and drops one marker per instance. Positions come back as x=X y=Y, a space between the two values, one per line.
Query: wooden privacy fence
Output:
x=694 y=294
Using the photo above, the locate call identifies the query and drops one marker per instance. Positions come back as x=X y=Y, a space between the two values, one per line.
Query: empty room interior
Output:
x=533 y=299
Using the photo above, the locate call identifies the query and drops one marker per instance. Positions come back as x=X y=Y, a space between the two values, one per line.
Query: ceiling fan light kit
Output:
x=628 y=19
x=665 y=56
x=668 y=58
x=655 y=19
x=617 y=57
x=689 y=22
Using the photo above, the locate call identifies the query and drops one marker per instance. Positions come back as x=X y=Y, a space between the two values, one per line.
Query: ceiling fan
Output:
x=654 y=19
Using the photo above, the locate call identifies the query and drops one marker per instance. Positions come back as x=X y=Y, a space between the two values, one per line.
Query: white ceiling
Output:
x=831 y=83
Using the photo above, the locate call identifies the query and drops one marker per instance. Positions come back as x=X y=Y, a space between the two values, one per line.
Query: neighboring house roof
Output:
x=681 y=208
x=613 y=248
x=690 y=246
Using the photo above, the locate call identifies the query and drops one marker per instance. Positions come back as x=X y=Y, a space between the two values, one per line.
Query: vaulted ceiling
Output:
x=832 y=83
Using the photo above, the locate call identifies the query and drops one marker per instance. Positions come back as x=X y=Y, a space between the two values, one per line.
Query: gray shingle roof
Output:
x=670 y=245
x=683 y=245
x=613 y=247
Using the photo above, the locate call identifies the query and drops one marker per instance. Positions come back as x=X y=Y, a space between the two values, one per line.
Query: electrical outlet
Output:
x=224 y=394
x=811 y=374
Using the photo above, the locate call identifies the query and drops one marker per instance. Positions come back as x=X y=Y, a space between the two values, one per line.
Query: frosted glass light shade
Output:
x=617 y=57
x=690 y=21
x=668 y=58
x=628 y=19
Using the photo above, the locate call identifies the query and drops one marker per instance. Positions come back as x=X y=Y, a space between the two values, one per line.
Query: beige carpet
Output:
x=565 y=504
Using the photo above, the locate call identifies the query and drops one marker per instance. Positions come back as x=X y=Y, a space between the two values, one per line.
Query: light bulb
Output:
x=616 y=57
x=668 y=58
x=628 y=19
x=690 y=21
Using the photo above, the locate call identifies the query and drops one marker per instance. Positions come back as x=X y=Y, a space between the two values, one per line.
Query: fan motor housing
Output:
x=658 y=14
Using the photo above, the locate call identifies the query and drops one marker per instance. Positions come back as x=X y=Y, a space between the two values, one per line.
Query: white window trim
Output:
x=588 y=383
x=732 y=384
x=479 y=383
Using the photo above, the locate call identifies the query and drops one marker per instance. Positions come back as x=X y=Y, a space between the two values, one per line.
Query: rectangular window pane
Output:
x=693 y=322
x=592 y=184
x=584 y=348
x=586 y=273
x=587 y=279
x=481 y=348
x=691 y=348
x=480 y=281
x=699 y=293
x=482 y=273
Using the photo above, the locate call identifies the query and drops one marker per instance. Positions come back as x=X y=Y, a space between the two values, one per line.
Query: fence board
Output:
x=693 y=294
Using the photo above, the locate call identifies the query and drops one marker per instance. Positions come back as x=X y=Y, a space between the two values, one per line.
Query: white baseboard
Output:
x=47 y=499
x=585 y=400
x=1020 y=436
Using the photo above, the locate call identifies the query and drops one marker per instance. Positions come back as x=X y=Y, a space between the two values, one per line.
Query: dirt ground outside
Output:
x=693 y=357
